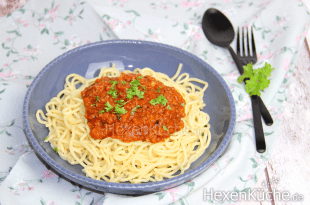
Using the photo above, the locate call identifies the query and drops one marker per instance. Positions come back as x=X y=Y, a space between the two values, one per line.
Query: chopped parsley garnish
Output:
x=109 y=106
x=158 y=90
x=168 y=107
x=143 y=86
x=139 y=93
x=97 y=98
x=55 y=149
x=133 y=90
x=113 y=93
x=121 y=102
x=114 y=82
x=134 y=109
x=140 y=77
x=165 y=128
x=119 y=109
x=159 y=100
x=182 y=104
x=153 y=102
x=135 y=83
x=124 y=82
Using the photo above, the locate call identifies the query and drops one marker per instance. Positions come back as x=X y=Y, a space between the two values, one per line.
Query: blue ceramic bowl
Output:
x=127 y=54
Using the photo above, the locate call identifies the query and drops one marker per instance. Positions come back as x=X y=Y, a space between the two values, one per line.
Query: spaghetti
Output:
x=113 y=160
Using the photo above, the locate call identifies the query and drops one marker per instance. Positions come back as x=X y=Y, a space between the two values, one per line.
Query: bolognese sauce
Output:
x=133 y=107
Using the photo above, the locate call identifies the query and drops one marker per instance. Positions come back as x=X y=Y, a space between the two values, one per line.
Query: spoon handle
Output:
x=265 y=112
x=263 y=109
x=236 y=60
x=258 y=127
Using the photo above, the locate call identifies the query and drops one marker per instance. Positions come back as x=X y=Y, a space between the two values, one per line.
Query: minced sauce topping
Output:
x=133 y=107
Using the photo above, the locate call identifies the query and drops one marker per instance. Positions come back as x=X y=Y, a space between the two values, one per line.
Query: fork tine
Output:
x=248 y=41
x=238 y=43
x=253 y=44
x=243 y=42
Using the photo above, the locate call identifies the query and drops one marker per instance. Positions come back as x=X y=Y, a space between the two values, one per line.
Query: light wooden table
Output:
x=288 y=168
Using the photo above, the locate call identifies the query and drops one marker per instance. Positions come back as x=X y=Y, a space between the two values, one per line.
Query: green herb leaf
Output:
x=55 y=149
x=97 y=98
x=165 y=128
x=134 y=109
x=135 y=82
x=139 y=93
x=120 y=102
x=113 y=93
x=114 y=82
x=159 y=100
x=109 y=107
x=158 y=90
x=182 y=104
x=132 y=91
x=119 y=109
x=124 y=82
x=257 y=78
x=168 y=107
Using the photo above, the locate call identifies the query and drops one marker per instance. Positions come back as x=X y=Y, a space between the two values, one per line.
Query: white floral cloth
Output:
x=39 y=31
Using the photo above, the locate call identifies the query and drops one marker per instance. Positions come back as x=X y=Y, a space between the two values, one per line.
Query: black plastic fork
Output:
x=258 y=107
x=251 y=57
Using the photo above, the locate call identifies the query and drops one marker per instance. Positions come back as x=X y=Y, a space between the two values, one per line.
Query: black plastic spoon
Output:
x=219 y=31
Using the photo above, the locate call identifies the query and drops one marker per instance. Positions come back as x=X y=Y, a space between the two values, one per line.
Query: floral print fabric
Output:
x=38 y=32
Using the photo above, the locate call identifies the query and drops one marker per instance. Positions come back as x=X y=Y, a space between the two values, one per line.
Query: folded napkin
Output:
x=38 y=32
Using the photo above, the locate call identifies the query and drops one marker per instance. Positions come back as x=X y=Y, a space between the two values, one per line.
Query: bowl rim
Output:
x=127 y=186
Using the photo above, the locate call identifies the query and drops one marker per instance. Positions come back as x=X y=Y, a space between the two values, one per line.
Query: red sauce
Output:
x=133 y=107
